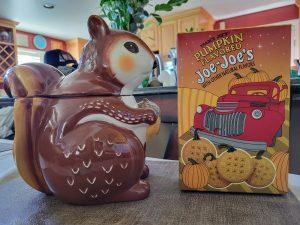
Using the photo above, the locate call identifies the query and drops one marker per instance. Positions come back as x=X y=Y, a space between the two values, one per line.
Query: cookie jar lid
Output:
x=41 y=80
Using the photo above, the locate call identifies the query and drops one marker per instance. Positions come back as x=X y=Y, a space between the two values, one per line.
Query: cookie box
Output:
x=233 y=110
x=82 y=137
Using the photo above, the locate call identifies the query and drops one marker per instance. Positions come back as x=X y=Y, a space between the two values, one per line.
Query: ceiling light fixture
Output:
x=48 y=6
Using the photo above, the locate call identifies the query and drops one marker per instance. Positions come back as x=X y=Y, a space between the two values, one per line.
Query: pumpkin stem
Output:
x=194 y=162
x=278 y=78
x=213 y=157
x=259 y=154
x=254 y=70
x=228 y=147
x=196 y=136
x=237 y=75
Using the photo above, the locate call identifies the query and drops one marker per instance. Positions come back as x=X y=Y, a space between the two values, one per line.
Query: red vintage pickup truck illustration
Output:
x=250 y=116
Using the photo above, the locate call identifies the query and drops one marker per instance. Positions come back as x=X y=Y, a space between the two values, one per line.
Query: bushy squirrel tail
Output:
x=31 y=79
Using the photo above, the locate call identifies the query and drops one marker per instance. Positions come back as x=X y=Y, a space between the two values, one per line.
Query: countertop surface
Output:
x=20 y=204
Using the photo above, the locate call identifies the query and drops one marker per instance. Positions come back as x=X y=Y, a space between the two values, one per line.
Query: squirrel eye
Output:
x=131 y=46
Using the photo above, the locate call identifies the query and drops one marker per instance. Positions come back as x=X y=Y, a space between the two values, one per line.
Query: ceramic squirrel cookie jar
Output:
x=82 y=137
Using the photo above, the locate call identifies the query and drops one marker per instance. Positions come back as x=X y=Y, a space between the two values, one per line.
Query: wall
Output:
x=260 y=18
x=52 y=43
x=279 y=16
x=75 y=46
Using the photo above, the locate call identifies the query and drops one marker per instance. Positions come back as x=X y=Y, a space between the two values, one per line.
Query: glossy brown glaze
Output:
x=82 y=137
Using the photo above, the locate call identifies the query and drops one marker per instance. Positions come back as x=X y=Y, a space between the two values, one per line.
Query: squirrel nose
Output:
x=154 y=64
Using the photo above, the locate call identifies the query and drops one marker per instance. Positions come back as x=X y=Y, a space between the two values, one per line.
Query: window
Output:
x=257 y=92
x=30 y=55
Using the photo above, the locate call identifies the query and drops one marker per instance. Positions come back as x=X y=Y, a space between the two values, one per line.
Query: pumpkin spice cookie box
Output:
x=233 y=110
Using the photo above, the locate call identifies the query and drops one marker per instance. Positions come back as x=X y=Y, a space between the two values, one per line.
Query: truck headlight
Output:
x=257 y=114
x=199 y=109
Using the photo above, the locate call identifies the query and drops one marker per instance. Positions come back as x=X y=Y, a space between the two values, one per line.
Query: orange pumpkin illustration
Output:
x=239 y=79
x=283 y=88
x=258 y=75
x=195 y=175
x=281 y=162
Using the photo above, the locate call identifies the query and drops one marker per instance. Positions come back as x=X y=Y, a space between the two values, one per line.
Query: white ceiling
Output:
x=68 y=18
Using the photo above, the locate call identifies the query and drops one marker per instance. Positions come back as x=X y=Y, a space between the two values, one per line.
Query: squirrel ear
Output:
x=97 y=27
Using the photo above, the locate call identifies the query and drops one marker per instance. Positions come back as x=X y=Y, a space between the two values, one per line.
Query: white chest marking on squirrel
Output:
x=130 y=101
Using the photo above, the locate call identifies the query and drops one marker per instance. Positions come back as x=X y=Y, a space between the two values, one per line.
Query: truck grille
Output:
x=231 y=124
x=226 y=106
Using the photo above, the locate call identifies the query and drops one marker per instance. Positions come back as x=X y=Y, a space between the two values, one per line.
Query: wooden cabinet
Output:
x=8 y=46
x=187 y=23
x=164 y=37
x=168 y=37
x=75 y=46
x=150 y=35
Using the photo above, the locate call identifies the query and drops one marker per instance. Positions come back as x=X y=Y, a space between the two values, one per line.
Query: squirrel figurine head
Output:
x=82 y=137
x=113 y=62
x=120 y=55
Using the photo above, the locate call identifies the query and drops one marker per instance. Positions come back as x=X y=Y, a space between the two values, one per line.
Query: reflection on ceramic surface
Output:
x=82 y=137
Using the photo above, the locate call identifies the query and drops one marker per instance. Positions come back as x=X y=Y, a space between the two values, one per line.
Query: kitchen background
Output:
x=55 y=32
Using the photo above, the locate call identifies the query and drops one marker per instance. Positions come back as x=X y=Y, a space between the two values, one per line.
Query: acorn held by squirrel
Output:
x=82 y=137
